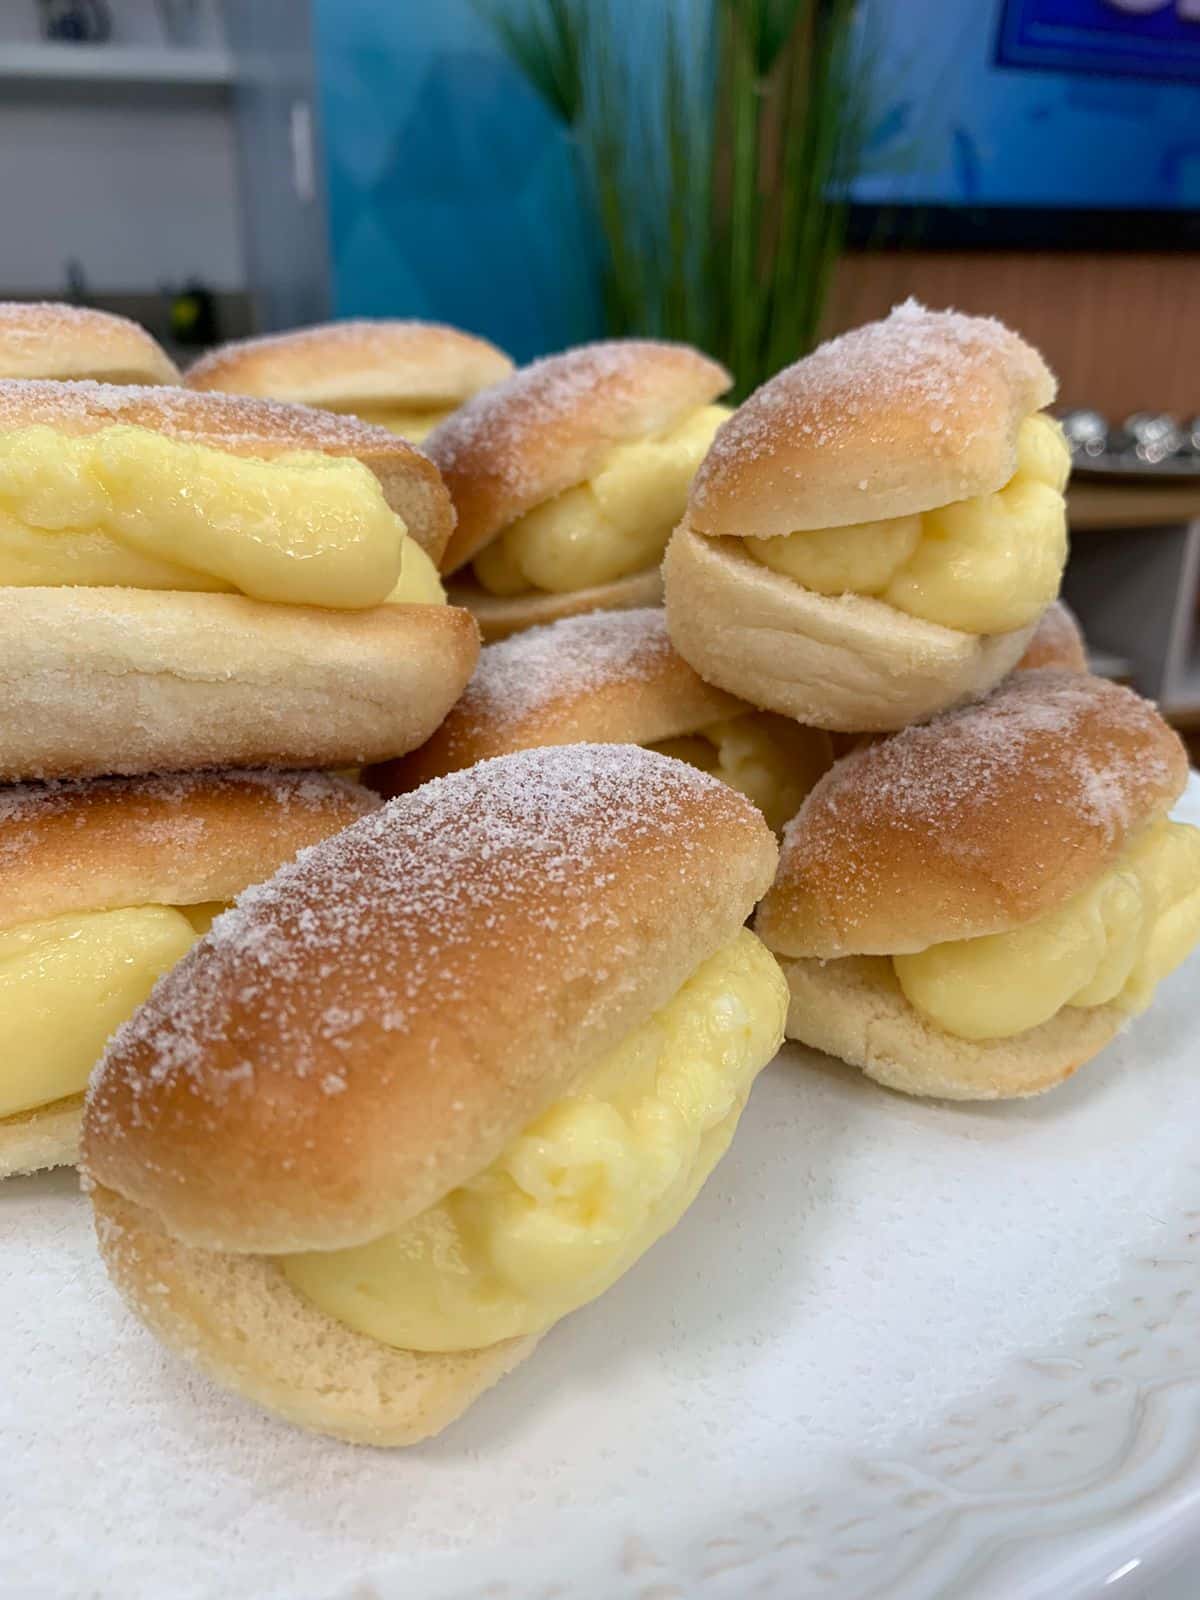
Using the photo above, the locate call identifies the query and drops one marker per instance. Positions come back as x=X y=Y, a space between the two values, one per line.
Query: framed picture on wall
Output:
x=1127 y=38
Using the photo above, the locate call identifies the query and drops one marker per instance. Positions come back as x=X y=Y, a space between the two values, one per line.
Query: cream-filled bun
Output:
x=404 y=376
x=192 y=580
x=438 y=1083
x=568 y=478
x=974 y=907
x=1057 y=642
x=874 y=534
x=45 y=339
x=612 y=678
x=104 y=885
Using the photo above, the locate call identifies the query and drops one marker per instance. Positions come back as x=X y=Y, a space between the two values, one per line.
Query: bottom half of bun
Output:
x=854 y=1009
x=499 y=616
x=847 y=663
x=131 y=680
x=239 y=1320
x=47 y=1136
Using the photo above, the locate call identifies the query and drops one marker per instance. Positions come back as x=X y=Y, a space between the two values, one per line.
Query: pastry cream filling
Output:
x=1111 y=944
x=68 y=982
x=413 y=423
x=132 y=508
x=772 y=760
x=615 y=524
x=989 y=564
x=583 y=1191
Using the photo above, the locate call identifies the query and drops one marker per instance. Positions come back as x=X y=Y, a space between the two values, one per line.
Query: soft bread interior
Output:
x=845 y=663
x=172 y=682
x=854 y=1009
x=239 y=1320
x=45 y=1137
x=500 y=616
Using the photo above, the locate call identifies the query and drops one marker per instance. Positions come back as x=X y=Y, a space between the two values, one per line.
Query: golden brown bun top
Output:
x=606 y=677
x=975 y=823
x=46 y=339
x=95 y=845
x=373 y=1026
x=896 y=417
x=1058 y=642
x=245 y=427
x=338 y=363
x=549 y=426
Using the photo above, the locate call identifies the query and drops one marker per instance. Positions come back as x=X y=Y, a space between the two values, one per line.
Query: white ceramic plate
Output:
x=897 y=1349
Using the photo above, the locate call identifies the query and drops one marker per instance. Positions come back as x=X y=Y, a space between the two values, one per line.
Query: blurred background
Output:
x=749 y=175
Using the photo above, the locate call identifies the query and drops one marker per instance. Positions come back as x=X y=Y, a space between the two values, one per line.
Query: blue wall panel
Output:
x=955 y=126
x=451 y=187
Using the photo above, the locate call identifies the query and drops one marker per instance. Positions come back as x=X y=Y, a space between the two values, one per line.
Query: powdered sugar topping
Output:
x=1057 y=641
x=393 y=917
x=575 y=656
x=237 y=422
x=942 y=364
x=25 y=325
x=388 y=337
x=22 y=803
x=497 y=428
x=1057 y=743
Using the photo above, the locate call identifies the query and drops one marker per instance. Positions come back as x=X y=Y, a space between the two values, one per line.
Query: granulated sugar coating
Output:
x=575 y=656
x=928 y=379
x=1058 y=641
x=407 y=360
x=21 y=803
x=504 y=430
x=32 y=328
x=985 y=816
x=403 y=997
x=223 y=421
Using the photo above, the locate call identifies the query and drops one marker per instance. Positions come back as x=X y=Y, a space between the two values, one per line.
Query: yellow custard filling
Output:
x=615 y=524
x=1110 y=944
x=583 y=1191
x=989 y=564
x=132 y=508
x=772 y=760
x=68 y=982
x=413 y=423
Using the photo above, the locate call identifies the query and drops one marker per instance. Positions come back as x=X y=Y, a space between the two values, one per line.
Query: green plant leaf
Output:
x=714 y=142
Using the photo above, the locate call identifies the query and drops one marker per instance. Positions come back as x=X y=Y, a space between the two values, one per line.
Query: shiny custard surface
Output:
x=615 y=524
x=989 y=564
x=128 y=507
x=1111 y=944
x=583 y=1191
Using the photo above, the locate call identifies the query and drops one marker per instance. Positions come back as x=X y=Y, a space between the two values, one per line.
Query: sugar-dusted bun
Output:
x=46 y=339
x=855 y=1010
x=500 y=616
x=366 y=361
x=848 y=662
x=177 y=841
x=372 y=1028
x=549 y=427
x=1057 y=642
x=245 y=427
x=243 y=1323
x=181 y=839
x=976 y=823
x=609 y=677
x=897 y=417
x=172 y=680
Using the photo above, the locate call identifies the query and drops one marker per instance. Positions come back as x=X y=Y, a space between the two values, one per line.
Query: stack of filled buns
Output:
x=207 y=605
x=425 y=985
